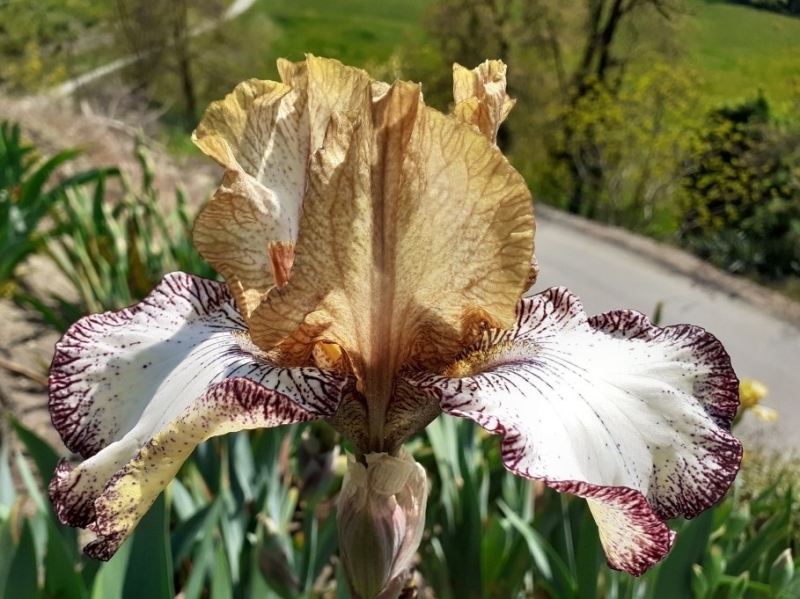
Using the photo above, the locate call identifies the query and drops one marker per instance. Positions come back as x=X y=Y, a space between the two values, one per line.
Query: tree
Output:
x=159 y=33
x=628 y=145
x=601 y=64
x=559 y=55
x=40 y=40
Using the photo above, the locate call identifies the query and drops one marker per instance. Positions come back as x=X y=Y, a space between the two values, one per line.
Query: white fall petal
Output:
x=135 y=391
x=633 y=417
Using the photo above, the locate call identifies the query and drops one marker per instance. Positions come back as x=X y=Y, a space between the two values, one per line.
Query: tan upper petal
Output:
x=235 y=233
x=263 y=133
x=415 y=233
x=481 y=98
x=332 y=88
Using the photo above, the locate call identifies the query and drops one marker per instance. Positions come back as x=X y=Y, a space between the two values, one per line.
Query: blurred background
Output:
x=677 y=120
x=670 y=117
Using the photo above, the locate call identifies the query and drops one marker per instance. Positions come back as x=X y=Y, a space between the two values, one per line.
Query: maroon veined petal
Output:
x=135 y=391
x=634 y=417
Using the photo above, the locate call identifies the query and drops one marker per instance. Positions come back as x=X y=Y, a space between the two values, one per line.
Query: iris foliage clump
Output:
x=231 y=526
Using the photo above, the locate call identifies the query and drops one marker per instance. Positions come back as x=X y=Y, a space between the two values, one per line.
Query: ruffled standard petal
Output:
x=397 y=196
x=481 y=98
x=241 y=211
x=135 y=391
x=260 y=134
x=633 y=417
x=263 y=133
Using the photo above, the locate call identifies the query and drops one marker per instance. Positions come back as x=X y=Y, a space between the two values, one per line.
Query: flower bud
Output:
x=381 y=517
x=782 y=572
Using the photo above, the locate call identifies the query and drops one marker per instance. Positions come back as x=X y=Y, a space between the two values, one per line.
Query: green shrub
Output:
x=784 y=7
x=741 y=193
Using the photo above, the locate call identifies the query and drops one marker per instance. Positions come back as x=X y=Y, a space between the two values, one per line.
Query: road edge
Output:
x=680 y=261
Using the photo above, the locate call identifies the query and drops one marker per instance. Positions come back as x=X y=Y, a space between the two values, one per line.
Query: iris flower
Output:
x=375 y=254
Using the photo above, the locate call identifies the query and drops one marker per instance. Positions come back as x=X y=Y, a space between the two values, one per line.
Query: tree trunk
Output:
x=183 y=54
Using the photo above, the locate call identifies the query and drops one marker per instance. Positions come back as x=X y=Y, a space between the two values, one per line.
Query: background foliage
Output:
x=741 y=193
x=624 y=101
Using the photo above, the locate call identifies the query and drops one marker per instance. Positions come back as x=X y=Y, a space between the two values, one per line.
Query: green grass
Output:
x=735 y=49
x=738 y=50
x=359 y=33
x=356 y=32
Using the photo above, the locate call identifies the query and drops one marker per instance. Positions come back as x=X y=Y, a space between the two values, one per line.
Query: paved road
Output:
x=606 y=276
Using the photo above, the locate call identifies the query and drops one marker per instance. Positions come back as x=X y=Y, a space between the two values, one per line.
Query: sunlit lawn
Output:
x=738 y=50
x=353 y=31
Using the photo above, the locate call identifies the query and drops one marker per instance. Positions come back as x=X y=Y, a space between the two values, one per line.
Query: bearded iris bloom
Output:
x=375 y=253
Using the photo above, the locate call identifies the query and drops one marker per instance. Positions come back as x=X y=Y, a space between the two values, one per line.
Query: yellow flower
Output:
x=751 y=392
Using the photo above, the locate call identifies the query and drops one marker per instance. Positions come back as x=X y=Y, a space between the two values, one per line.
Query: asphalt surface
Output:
x=607 y=274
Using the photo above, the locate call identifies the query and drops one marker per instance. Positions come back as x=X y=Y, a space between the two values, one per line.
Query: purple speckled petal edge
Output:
x=634 y=417
x=135 y=391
